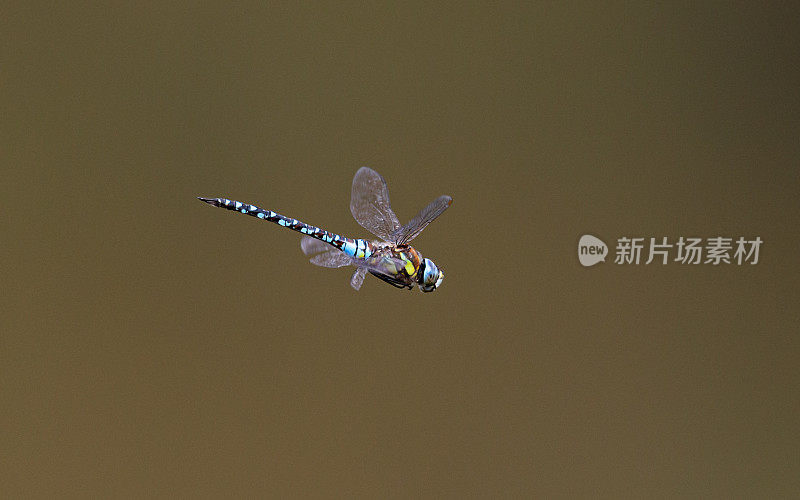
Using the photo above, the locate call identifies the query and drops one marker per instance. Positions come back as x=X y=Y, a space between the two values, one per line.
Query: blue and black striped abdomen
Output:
x=359 y=249
x=268 y=215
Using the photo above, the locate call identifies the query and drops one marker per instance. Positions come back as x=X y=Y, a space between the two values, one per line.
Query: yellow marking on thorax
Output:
x=411 y=258
x=410 y=269
x=409 y=266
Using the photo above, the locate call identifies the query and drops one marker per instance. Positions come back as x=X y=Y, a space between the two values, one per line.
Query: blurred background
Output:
x=155 y=346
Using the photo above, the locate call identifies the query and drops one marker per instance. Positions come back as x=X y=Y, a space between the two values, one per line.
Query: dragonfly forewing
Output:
x=370 y=206
x=414 y=227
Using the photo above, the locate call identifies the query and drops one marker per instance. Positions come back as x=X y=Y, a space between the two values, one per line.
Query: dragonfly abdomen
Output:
x=333 y=239
x=359 y=249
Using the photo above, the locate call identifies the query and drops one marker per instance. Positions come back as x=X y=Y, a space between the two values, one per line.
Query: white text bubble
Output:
x=591 y=250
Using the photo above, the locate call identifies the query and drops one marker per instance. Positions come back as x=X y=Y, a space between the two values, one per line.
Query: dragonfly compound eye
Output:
x=431 y=274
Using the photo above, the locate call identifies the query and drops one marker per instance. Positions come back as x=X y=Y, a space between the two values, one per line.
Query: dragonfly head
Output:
x=430 y=276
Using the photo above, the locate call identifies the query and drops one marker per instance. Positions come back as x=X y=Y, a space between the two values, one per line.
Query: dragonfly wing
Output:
x=369 y=204
x=331 y=258
x=386 y=268
x=427 y=215
x=311 y=246
x=323 y=254
x=358 y=278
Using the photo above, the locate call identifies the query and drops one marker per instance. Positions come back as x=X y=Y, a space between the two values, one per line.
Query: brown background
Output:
x=154 y=346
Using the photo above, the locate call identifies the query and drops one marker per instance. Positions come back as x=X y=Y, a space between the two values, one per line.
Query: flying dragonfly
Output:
x=390 y=259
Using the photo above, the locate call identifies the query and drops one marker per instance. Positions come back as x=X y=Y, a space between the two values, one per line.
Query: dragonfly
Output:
x=390 y=258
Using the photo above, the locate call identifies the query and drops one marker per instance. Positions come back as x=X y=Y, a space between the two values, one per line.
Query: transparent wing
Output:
x=369 y=204
x=381 y=264
x=358 y=278
x=323 y=254
x=384 y=266
x=331 y=258
x=427 y=215
x=311 y=246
